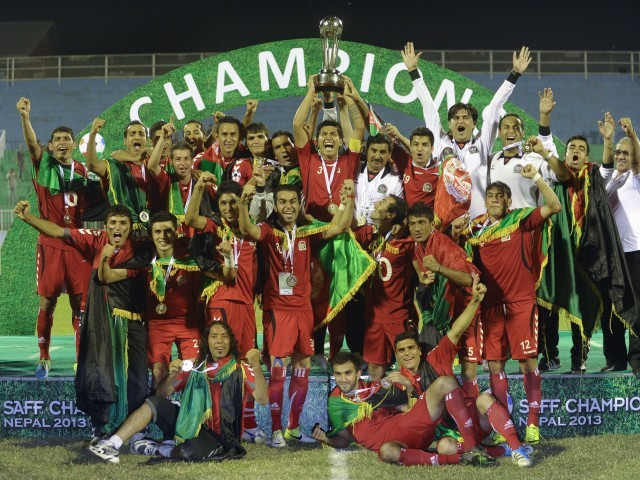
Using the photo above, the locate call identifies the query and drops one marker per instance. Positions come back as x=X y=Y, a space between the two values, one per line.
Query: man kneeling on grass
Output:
x=208 y=424
x=363 y=410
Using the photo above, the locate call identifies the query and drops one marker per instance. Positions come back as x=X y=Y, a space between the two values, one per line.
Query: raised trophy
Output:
x=330 y=79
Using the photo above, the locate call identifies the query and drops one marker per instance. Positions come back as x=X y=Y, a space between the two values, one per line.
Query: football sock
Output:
x=298 y=388
x=276 y=396
x=116 y=440
x=499 y=387
x=471 y=391
x=249 y=420
x=533 y=390
x=458 y=410
x=501 y=422
x=413 y=456
x=45 y=323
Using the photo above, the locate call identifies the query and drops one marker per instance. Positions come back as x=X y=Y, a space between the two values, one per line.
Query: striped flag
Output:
x=375 y=122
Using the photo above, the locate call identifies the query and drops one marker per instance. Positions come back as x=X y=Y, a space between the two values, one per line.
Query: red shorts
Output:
x=241 y=317
x=510 y=327
x=471 y=342
x=415 y=428
x=378 y=341
x=56 y=267
x=287 y=331
x=164 y=333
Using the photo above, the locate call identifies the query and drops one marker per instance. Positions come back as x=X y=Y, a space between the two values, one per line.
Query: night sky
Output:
x=145 y=26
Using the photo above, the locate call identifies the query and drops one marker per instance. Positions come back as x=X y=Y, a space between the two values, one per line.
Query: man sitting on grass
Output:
x=362 y=410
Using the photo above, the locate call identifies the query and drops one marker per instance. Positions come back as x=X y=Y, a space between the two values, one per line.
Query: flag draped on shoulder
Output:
x=123 y=189
x=346 y=263
x=586 y=261
x=52 y=176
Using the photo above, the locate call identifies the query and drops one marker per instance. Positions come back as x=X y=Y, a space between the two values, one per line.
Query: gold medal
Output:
x=67 y=218
x=362 y=221
x=143 y=216
x=333 y=208
x=292 y=280
x=161 y=308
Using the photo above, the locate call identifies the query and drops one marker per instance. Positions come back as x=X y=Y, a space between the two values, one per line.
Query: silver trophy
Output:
x=330 y=79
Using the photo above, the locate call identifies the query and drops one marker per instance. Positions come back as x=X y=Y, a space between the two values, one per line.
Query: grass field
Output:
x=601 y=457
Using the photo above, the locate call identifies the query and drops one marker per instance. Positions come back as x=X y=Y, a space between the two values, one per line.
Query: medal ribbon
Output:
x=64 y=184
x=328 y=180
x=157 y=275
x=236 y=250
x=288 y=254
x=378 y=251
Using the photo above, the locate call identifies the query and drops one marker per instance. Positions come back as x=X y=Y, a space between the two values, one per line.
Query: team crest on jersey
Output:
x=473 y=149
x=427 y=187
x=517 y=169
x=181 y=279
x=236 y=176
x=302 y=245
x=506 y=238
x=382 y=189
x=406 y=179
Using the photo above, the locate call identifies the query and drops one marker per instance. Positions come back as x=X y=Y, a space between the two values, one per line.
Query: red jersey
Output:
x=273 y=244
x=216 y=389
x=52 y=206
x=243 y=289
x=314 y=181
x=507 y=263
x=441 y=361
x=182 y=294
x=237 y=169
x=391 y=296
x=451 y=255
x=419 y=183
x=165 y=184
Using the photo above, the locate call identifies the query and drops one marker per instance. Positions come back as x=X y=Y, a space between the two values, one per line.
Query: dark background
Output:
x=105 y=27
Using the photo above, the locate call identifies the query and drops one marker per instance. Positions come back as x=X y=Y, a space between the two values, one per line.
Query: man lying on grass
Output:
x=208 y=424
x=366 y=411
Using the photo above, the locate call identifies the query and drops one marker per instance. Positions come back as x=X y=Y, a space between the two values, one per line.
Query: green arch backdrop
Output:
x=224 y=81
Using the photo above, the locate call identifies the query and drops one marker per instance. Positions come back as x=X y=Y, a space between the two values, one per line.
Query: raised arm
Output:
x=353 y=100
x=105 y=273
x=229 y=267
x=252 y=108
x=24 y=109
x=607 y=129
x=346 y=211
x=429 y=110
x=192 y=216
x=344 y=119
x=634 y=144
x=461 y=323
x=546 y=106
x=93 y=164
x=300 y=118
x=247 y=229
x=552 y=204
x=166 y=134
x=45 y=227
x=559 y=168
x=312 y=121
x=491 y=113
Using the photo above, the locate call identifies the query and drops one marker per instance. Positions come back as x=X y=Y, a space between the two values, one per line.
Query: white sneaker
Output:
x=277 y=440
x=298 y=435
x=105 y=450
x=42 y=370
x=143 y=446
x=254 y=435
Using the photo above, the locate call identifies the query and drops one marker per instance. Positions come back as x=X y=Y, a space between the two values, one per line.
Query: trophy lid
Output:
x=330 y=27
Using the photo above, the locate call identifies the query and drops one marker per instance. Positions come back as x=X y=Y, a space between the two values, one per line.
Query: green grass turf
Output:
x=598 y=457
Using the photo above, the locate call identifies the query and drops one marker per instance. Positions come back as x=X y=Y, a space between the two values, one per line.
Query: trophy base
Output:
x=329 y=82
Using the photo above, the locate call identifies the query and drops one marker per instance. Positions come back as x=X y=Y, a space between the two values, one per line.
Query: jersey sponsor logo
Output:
x=87 y=231
x=382 y=189
x=517 y=169
x=473 y=149
x=427 y=187
x=302 y=245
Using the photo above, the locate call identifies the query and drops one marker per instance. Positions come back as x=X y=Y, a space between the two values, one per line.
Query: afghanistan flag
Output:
x=586 y=261
x=375 y=122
